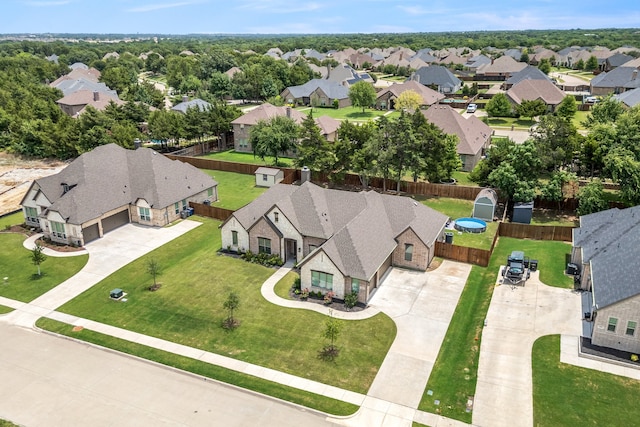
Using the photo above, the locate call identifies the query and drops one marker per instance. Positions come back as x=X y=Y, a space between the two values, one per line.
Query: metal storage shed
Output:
x=484 y=207
x=522 y=212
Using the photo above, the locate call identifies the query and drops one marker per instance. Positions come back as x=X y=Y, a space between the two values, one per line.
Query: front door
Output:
x=291 y=249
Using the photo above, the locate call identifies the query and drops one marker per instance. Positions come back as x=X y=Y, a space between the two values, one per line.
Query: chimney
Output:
x=634 y=75
x=96 y=96
x=289 y=112
x=185 y=98
x=492 y=60
x=305 y=175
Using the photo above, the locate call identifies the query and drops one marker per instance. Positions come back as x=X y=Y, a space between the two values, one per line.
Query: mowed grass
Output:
x=301 y=397
x=348 y=113
x=517 y=123
x=458 y=208
x=284 y=285
x=235 y=189
x=23 y=283
x=454 y=376
x=238 y=157
x=188 y=309
x=565 y=395
x=579 y=118
x=11 y=219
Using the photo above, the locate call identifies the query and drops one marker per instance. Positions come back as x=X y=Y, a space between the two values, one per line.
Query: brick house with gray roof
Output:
x=342 y=241
x=618 y=80
x=321 y=90
x=439 y=77
x=531 y=90
x=109 y=187
x=605 y=246
x=387 y=98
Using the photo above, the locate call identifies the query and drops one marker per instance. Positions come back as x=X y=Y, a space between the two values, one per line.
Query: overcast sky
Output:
x=320 y=16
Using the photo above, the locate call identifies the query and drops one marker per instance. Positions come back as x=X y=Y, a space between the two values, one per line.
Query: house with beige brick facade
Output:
x=605 y=247
x=342 y=241
x=111 y=186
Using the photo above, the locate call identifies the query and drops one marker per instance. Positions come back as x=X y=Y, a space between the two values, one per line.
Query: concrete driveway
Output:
x=517 y=316
x=106 y=255
x=421 y=304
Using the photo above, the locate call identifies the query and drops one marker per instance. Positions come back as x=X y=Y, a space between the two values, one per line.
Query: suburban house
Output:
x=618 y=80
x=76 y=103
x=111 y=186
x=265 y=112
x=319 y=92
x=501 y=68
x=528 y=73
x=342 y=241
x=630 y=98
x=605 y=249
x=347 y=76
x=531 y=90
x=183 y=106
x=616 y=60
x=386 y=98
x=474 y=136
x=268 y=177
x=328 y=127
x=437 y=77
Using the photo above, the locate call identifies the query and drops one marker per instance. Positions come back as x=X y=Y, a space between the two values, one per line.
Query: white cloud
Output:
x=159 y=6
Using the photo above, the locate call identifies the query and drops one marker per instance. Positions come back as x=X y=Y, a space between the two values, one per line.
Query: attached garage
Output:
x=114 y=221
x=90 y=233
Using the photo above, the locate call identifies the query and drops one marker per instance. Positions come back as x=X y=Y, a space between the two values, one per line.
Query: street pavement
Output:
x=49 y=381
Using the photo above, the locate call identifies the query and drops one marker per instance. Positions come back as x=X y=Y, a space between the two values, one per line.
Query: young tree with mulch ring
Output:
x=37 y=256
x=331 y=332
x=154 y=269
x=231 y=304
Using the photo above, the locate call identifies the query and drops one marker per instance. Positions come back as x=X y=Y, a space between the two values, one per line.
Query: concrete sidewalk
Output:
x=106 y=256
x=30 y=243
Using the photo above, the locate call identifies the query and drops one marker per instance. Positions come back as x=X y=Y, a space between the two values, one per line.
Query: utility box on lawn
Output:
x=116 y=293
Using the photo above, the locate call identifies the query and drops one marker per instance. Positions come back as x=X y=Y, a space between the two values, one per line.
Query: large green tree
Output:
x=362 y=94
x=531 y=109
x=313 y=149
x=499 y=106
x=274 y=137
x=591 y=198
x=567 y=108
x=556 y=140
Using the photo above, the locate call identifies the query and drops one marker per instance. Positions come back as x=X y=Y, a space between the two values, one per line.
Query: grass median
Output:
x=301 y=397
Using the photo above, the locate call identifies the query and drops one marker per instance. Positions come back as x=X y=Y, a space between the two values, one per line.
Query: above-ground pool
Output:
x=470 y=225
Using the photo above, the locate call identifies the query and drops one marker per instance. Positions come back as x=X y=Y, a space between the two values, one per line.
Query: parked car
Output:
x=471 y=108
x=591 y=99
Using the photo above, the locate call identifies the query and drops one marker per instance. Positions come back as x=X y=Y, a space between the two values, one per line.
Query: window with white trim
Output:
x=321 y=279
x=184 y=204
x=275 y=216
x=611 y=325
x=631 y=328
x=31 y=214
x=145 y=214
x=57 y=229
x=264 y=177
x=264 y=245
x=210 y=192
x=234 y=238
x=176 y=206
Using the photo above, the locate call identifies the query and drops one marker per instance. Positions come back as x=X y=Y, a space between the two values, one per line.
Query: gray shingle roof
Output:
x=610 y=240
x=531 y=90
x=70 y=86
x=194 y=103
x=359 y=228
x=436 y=74
x=472 y=133
x=528 y=73
x=630 y=98
x=110 y=176
x=332 y=89
x=627 y=77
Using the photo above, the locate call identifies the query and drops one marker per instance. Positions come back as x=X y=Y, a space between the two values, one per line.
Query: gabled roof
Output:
x=332 y=89
x=618 y=59
x=194 y=103
x=514 y=53
x=97 y=100
x=359 y=228
x=436 y=74
x=528 y=73
x=626 y=77
x=110 y=176
x=90 y=74
x=472 y=133
x=610 y=240
x=630 y=98
x=429 y=96
x=503 y=65
x=531 y=90
x=327 y=125
x=266 y=112
x=68 y=87
x=267 y=171
x=232 y=72
x=477 y=61
x=79 y=65
x=345 y=73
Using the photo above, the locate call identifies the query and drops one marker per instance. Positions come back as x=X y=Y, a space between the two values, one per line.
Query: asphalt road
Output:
x=51 y=381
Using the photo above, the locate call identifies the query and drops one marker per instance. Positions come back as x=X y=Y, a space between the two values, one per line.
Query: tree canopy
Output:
x=362 y=94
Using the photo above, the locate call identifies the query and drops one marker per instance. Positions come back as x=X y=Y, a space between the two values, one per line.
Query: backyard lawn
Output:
x=23 y=283
x=517 y=123
x=578 y=118
x=11 y=219
x=238 y=157
x=454 y=374
x=348 y=113
x=567 y=395
x=188 y=309
x=235 y=189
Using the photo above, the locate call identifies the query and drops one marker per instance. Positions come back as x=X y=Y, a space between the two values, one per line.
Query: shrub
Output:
x=634 y=357
x=350 y=300
x=297 y=283
x=328 y=297
x=305 y=293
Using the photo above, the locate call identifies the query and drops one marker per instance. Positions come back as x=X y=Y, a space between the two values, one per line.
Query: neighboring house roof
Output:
x=232 y=72
x=609 y=241
x=79 y=65
x=359 y=228
x=472 y=133
x=528 y=73
x=327 y=125
x=618 y=59
x=625 y=77
x=437 y=75
x=267 y=171
x=90 y=74
x=429 y=96
x=477 y=61
x=322 y=70
x=53 y=58
x=345 y=73
x=514 y=53
x=453 y=59
x=531 y=90
x=503 y=65
x=114 y=55
x=109 y=177
x=630 y=98
x=332 y=89
x=97 y=100
x=70 y=86
x=426 y=56
x=194 y=103
x=358 y=59
x=312 y=53
x=266 y=112
x=634 y=63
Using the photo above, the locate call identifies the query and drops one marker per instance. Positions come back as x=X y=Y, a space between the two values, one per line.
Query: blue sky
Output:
x=316 y=16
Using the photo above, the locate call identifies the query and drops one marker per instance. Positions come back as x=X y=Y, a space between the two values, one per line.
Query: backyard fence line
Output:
x=211 y=211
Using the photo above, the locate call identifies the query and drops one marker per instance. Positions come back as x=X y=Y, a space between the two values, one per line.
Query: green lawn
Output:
x=567 y=395
x=237 y=157
x=578 y=118
x=454 y=374
x=282 y=287
x=11 y=219
x=4 y=309
x=23 y=283
x=507 y=122
x=300 y=397
x=463 y=179
x=188 y=309
x=235 y=189
x=550 y=217
x=348 y=113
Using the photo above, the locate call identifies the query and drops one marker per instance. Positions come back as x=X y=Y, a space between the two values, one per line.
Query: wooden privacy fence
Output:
x=211 y=211
x=535 y=232
x=463 y=254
